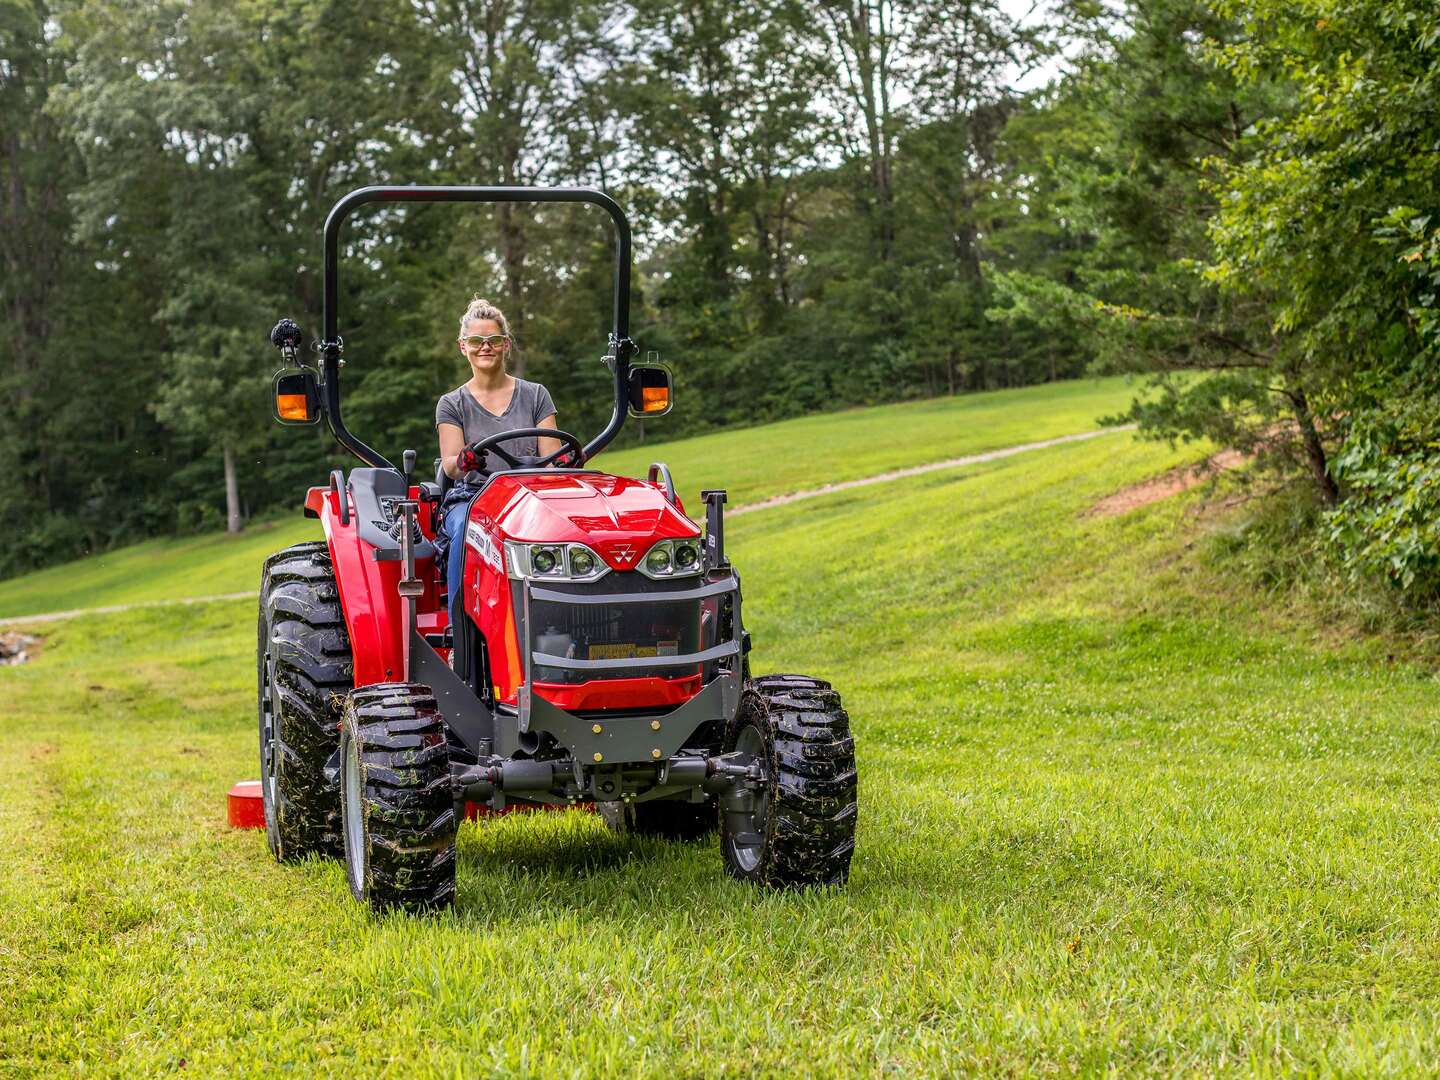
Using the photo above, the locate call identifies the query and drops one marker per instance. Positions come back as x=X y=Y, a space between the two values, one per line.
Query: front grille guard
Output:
x=631 y=738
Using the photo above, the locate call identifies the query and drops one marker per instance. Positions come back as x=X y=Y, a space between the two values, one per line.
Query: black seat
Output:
x=436 y=491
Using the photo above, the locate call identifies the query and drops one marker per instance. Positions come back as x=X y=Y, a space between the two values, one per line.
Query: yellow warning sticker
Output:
x=627 y=650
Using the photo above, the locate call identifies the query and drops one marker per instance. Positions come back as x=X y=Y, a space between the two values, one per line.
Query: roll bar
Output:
x=621 y=347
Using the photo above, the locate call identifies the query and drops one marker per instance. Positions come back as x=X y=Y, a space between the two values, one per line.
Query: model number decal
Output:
x=483 y=543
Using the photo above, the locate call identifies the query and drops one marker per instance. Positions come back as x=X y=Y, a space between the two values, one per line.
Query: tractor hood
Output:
x=618 y=518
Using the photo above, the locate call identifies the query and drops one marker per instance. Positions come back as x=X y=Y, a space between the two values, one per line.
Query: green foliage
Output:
x=1323 y=219
x=1124 y=152
x=1248 y=190
x=816 y=188
x=836 y=203
x=1389 y=525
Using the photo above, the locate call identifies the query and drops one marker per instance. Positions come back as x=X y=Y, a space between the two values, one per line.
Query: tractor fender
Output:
x=369 y=593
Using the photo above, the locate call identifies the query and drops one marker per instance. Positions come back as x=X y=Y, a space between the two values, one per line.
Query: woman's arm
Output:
x=452 y=441
x=547 y=446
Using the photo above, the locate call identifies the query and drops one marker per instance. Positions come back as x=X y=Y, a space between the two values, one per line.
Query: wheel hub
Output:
x=747 y=809
x=353 y=813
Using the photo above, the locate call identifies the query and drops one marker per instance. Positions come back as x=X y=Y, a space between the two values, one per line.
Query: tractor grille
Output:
x=621 y=631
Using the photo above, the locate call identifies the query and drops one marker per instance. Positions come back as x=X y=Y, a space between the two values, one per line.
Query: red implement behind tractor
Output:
x=593 y=650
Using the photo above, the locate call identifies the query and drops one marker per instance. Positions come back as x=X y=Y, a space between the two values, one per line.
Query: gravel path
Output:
x=746 y=508
x=917 y=470
x=55 y=616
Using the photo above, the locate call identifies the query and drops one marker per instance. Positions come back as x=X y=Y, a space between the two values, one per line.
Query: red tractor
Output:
x=593 y=651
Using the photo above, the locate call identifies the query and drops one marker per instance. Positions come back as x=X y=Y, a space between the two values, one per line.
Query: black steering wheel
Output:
x=572 y=446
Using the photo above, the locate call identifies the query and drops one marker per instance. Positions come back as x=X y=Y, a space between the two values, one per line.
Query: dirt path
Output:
x=55 y=616
x=1171 y=483
x=744 y=508
x=917 y=470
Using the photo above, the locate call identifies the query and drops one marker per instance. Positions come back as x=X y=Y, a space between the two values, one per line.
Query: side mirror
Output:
x=297 y=396
x=651 y=390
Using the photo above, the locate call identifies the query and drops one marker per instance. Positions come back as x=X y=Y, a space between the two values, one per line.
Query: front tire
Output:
x=305 y=670
x=800 y=828
x=398 y=809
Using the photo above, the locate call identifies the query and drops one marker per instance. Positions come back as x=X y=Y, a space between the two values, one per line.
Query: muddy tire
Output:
x=398 y=810
x=670 y=819
x=800 y=830
x=305 y=670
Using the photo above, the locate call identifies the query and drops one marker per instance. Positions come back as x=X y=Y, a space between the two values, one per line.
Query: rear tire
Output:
x=802 y=829
x=398 y=806
x=305 y=669
x=670 y=819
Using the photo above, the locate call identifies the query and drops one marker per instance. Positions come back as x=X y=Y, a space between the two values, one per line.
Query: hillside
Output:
x=751 y=464
x=1114 y=816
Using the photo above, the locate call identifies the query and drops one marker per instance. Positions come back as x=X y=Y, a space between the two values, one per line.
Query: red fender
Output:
x=369 y=593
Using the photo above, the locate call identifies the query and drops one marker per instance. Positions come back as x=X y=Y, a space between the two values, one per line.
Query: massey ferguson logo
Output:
x=623 y=552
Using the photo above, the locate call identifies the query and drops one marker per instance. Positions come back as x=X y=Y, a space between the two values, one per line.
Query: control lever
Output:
x=410 y=587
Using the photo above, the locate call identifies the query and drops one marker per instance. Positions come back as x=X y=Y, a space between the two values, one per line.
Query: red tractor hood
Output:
x=618 y=518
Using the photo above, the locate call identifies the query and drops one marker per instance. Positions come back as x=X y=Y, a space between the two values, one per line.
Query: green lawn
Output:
x=209 y=565
x=795 y=455
x=752 y=465
x=1116 y=815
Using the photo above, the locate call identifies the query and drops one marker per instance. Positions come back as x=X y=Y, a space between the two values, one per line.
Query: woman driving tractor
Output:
x=603 y=659
x=492 y=402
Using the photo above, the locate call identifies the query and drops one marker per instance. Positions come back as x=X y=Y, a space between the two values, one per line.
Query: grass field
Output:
x=752 y=465
x=1117 y=814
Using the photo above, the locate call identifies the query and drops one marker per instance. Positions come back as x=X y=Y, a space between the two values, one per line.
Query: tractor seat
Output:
x=436 y=491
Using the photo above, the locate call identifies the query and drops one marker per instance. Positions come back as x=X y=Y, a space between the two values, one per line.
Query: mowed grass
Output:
x=808 y=452
x=213 y=564
x=754 y=464
x=1115 y=816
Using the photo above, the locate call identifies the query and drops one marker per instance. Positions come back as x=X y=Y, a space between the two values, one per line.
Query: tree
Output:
x=35 y=165
x=214 y=142
x=73 y=382
x=1333 y=217
x=520 y=71
x=1126 y=154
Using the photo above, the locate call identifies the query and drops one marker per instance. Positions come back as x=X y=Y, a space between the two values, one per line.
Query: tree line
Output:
x=836 y=202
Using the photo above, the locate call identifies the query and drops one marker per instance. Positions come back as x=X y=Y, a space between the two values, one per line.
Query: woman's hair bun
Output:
x=480 y=308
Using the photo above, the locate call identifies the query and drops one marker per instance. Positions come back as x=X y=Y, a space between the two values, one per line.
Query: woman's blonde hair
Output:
x=480 y=308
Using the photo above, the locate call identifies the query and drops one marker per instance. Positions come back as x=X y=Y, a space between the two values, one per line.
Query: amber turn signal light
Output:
x=651 y=392
x=297 y=396
x=292 y=407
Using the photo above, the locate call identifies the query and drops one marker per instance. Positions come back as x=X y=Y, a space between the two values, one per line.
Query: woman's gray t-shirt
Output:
x=529 y=404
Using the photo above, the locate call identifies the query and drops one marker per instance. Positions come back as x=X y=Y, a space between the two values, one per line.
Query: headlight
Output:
x=553 y=562
x=686 y=556
x=671 y=559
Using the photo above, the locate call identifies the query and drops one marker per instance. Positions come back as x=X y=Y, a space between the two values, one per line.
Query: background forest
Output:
x=836 y=201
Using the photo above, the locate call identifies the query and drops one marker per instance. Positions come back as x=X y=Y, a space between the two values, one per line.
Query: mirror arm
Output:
x=621 y=349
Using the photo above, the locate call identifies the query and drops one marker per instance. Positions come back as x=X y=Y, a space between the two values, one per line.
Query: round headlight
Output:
x=685 y=556
x=543 y=560
x=581 y=562
x=658 y=560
